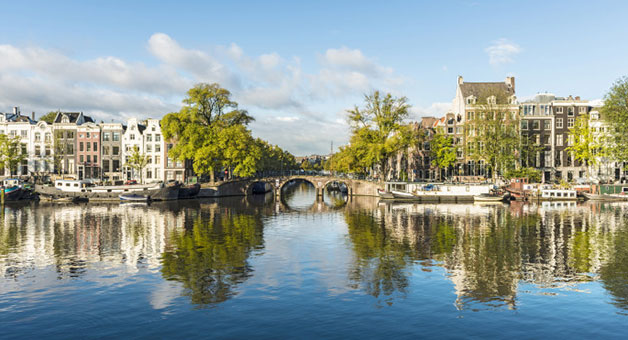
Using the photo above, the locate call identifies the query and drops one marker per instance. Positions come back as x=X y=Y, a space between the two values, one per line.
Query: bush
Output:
x=532 y=174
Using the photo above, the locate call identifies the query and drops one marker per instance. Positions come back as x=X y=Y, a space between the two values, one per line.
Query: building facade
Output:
x=111 y=153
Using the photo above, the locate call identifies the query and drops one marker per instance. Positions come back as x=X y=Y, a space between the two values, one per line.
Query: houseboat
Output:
x=546 y=194
x=86 y=191
x=437 y=192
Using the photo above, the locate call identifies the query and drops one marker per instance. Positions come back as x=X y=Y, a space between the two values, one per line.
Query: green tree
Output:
x=378 y=131
x=138 y=161
x=209 y=122
x=49 y=117
x=585 y=146
x=442 y=151
x=615 y=113
x=493 y=134
x=11 y=153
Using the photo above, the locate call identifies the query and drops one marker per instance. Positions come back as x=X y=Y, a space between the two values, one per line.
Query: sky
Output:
x=297 y=66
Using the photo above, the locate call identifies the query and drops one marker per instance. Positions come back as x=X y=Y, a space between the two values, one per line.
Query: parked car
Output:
x=130 y=182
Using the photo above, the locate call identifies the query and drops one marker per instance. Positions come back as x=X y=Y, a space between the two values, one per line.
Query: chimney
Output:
x=510 y=81
x=16 y=110
x=460 y=80
x=577 y=97
x=33 y=115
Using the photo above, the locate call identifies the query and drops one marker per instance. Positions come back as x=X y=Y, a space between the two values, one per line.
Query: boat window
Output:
x=59 y=184
x=76 y=184
x=67 y=184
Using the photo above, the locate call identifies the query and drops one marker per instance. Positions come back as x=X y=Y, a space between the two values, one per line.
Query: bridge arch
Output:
x=259 y=187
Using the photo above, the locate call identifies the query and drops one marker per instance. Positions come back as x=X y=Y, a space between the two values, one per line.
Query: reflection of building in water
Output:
x=487 y=250
x=71 y=237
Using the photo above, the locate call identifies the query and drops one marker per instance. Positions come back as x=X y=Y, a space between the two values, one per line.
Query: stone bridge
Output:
x=355 y=187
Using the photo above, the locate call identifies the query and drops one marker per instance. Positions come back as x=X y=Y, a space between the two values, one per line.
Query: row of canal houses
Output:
x=83 y=149
x=544 y=119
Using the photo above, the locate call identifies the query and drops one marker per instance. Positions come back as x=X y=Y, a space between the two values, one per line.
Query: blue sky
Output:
x=296 y=66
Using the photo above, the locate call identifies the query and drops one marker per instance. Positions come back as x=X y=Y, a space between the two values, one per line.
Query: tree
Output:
x=138 y=161
x=208 y=122
x=494 y=133
x=378 y=130
x=615 y=112
x=11 y=155
x=442 y=151
x=585 y=146
x=59 y=151
x=49 y=117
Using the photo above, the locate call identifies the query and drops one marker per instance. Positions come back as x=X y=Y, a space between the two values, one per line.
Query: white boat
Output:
x=603 y=197
x=384 y=194
x=490 y=198
x=134 y=198
x=557 y=195
x=402 y=194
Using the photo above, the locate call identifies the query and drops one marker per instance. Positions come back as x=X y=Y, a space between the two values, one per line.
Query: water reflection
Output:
x=210 y=249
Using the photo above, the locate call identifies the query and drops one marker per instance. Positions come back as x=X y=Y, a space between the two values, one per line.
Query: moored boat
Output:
x=384 y=194
x=490 y=197
x=402 y=194
x=603 y=197
x=134 y=198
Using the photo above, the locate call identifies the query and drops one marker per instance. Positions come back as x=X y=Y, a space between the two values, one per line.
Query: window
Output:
x=157 y=160
x=559 y=140
x=89 y=158
x=37 y=150
x=582 y=109
x=149 y=137
x=157 y=147
x=149 y=148
x=105 y=150
x=70 y=149
x=47 y=137
x=89 y=146
x=105 y=136
x=95 y=146
x=524 y=124
x=546 y=140
x=116 y=136
x=95 y=159
x=470 y=100
x=559 y=109
x=105 y=165
x=491 y=100
x=37 y=137
x=570 y=122
x=116 y=150
x=149 y=174
x=81 y=159
x=450 y=130
x=88 y=135
x=559 y=123
x=536 y=125
x=80 y=146
x=116 y=165
x=570 y=111
x=157 y=138
x=570 y=140
x=546 y=124
x=48 y=150
x=132 y=137
x=470 y=115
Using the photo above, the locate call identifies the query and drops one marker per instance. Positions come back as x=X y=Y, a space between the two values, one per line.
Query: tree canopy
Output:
x=442 y=151
x=615 y=112
x=49 y=117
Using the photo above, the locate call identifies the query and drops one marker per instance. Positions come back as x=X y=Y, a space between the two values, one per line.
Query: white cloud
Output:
x=436 y=109
x=275 y=89
x=502 y=51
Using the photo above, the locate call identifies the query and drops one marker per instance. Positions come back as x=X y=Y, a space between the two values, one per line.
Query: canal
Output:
x=302 y=268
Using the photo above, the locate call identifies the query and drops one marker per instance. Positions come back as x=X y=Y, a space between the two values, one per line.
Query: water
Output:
x=235 y=268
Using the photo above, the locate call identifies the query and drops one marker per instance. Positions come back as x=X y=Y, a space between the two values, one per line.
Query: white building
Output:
x=154 y=147
x=133 y=138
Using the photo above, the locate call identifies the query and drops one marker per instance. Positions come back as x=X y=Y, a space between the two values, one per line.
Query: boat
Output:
x=491 y=197
x=556 y=195
x=13 y=193
x=603 y=197
x=83 y=189
x=402 y=194
x=134 y=198
x=384 y=194
x=189 y=191
x=74 y=199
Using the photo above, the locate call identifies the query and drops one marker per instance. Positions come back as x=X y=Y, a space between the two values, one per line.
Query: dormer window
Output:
x=471 y=100
x=512 y=99
x=65 y=119
x=491 y=100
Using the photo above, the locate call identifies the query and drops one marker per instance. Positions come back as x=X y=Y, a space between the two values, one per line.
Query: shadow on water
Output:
x=486 y=252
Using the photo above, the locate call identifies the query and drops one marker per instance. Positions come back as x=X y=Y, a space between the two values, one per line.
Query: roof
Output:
x=18 y=118
x=72 y=116
x=483 y=90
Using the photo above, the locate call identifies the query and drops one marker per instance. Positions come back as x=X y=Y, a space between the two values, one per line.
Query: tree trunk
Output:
x=212 y=175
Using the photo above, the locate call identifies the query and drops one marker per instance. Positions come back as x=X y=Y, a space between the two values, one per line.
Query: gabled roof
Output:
x=72 y=116
x=482 y=90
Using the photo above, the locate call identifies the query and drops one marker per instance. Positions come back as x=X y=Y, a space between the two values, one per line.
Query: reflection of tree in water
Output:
x=211 y=258
x=614 y=273
x=381 y=261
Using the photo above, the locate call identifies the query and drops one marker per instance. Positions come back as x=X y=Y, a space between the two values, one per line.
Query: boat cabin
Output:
x=558 y=194
x=71 y=185
x=11 y=182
